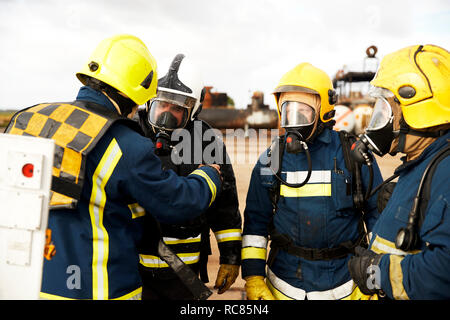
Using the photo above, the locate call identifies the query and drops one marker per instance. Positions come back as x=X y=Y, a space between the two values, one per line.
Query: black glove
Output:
x=358 y=266
x=384 y=195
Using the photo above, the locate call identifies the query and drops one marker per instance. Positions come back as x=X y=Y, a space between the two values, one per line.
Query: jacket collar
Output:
x=88 y=94
x=429 y=151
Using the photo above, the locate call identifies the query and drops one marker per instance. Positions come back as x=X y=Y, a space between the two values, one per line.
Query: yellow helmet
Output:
x=307 y=78
x=123 y=62
x=419 y=77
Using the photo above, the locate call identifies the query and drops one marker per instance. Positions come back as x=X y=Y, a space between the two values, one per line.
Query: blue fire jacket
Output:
x=96 y=255
x=318 y=215
x=423 y=273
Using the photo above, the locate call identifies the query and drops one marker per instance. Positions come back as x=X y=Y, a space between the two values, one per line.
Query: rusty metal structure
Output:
x=350 y=87
x=220 y=114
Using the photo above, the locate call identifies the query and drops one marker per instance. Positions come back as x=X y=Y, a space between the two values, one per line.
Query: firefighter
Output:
x=410 y=246
x=304 y=205
x=106 y=176
x=174 y=110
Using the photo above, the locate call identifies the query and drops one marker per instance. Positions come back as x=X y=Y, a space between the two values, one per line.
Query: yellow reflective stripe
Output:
x=100 y=236
x=380 y=245
x=396 y=277
x=228 y=235
x=308 y=190
x=152 y=261
x=253 y=253
x=168 y=240
x=136 y=210
x=212 y=186
x=49 y=296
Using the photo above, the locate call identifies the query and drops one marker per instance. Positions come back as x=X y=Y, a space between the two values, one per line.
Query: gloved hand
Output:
x=226 y=276
x=256 y=289
x=384 y=195
x=358 y=267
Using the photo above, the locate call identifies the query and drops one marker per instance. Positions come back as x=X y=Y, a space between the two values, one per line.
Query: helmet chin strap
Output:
x=405 y=130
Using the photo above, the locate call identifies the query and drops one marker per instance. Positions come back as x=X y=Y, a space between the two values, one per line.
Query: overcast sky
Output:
x=242 y=46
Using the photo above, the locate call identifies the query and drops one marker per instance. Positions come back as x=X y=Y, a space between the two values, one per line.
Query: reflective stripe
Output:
x=317 y=176
x=151 y=261
x=212 y=186
x=308 y=190
x=253 y=253
x=228 y=235
x=396 y=277
x=168 y=240
x=337 y=293
x=134 y=295
x=136 y=210
x=100 y=236
x=380 y=245
x=285 y=291
x=250 y=240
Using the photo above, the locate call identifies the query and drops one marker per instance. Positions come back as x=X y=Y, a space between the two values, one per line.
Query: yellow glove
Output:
x=256 y=289
x=226 y=276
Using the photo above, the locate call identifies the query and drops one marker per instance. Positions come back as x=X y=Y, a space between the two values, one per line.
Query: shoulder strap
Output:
x=274 y=191
x=426 y=190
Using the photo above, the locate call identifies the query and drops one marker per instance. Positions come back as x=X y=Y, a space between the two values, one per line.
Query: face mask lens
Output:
x=382 y=114
x=166 y=115
x=296 y=114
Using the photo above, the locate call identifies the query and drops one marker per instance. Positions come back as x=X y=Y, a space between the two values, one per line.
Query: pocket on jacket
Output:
x=342 y=193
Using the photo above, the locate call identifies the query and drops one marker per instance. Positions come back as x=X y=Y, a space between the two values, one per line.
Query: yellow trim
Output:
x=128 y=296
x=396 y=277
x=253 y=253
x=162 y=264
x=49 y=296
x=381 y=245
x=211 y=184
x=179 y=241
x=136 y=210
x=232 y=237
x=308 y=190
x=100 y=187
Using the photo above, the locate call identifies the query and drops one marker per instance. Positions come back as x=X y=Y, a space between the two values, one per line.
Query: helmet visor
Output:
x=170 y=110
x=296 y=114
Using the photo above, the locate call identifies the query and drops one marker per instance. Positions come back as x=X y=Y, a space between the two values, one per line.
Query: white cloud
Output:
x=242 y=46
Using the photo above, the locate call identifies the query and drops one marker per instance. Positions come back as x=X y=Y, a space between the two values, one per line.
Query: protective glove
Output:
x=358 y=266
x=384 y=195
x=256 y=289
x=226 y=276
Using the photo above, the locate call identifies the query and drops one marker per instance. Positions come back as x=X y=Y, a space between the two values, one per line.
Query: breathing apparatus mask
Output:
x=168 y=112
x=380 y=132
x=175 y=104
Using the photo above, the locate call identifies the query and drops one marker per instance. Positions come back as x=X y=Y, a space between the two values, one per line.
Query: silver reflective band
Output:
x=254 y=241
x=317 y=176
x=292 y=292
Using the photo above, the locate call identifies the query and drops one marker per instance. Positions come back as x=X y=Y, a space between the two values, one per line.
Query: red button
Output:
x=158 y=145
x=27 y=170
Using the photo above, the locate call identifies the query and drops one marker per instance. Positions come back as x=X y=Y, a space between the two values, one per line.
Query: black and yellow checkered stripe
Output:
x=75 y=131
